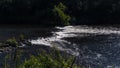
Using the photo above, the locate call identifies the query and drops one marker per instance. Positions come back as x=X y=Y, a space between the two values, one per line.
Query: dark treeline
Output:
x=59 y=12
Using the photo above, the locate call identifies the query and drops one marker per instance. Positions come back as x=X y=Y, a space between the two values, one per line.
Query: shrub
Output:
x=12 y=42
x=60 y=16
x=46 y=59
x=55 y=60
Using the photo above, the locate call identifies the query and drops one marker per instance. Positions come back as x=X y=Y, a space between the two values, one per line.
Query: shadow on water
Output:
x=29 y=33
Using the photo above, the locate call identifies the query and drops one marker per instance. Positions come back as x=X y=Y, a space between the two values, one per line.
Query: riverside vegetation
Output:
x=53 y=59
x=59 y=12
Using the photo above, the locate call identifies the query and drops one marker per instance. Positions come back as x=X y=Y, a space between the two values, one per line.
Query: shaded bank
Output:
x=75 y=12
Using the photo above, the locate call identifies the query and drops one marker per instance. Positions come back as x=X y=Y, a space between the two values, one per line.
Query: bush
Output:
x=55 y=60
x=12 y=42
x=60 y=16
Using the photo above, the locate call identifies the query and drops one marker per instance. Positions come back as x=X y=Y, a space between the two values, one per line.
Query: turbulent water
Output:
x=96 y=47
x=93 y=46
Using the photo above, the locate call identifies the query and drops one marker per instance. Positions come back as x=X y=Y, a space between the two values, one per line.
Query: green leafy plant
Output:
x=46 y=59
x=53 y=60
x=12 y=42
x=61 y=16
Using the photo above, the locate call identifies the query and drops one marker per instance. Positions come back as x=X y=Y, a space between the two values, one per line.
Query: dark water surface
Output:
x=93 y=46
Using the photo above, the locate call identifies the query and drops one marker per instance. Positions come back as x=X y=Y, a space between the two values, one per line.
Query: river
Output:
x=93 y=46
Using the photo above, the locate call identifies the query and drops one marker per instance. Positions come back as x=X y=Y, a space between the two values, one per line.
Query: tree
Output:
x=60 y=16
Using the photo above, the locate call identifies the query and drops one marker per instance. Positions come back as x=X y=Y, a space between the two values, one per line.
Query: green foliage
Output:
x=61 y=6
x=12 y=42
x=55 y=60
x=61 y=16
x=39 y=11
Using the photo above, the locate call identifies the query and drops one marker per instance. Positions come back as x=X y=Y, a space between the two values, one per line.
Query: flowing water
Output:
x=93 y=46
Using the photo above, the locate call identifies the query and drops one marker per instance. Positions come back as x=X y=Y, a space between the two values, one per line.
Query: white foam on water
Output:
x=40 y=41
x=56 y=37
x=69 y=31
x=112 y=66
x=99 y=55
